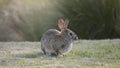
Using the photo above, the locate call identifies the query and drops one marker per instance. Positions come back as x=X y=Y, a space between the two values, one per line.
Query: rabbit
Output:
x=54 y=42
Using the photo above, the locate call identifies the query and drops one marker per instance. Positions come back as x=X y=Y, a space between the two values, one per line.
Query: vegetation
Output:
x=92 y=19
x=25 y=20
x=84 y=54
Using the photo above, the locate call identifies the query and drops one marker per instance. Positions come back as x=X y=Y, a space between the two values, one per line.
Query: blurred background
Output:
x=27 y=20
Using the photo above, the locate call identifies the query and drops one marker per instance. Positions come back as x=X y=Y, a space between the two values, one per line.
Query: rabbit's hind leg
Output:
x=58 y=52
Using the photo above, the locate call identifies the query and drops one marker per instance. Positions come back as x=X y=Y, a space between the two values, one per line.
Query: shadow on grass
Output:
x=35 y=55
x=30 y=55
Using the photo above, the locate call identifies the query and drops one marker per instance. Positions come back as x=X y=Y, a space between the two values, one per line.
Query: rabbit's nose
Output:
x=76 y=38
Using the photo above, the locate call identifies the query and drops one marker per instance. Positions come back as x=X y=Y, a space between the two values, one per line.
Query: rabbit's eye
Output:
x=70 y=34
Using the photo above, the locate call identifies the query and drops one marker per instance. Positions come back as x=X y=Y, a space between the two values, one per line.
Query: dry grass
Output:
x=25 y=19
x=85 y=54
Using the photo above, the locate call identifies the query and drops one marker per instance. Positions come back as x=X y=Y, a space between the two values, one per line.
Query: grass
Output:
x=84 y=54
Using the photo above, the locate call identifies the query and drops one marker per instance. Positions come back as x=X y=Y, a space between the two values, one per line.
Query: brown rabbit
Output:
x=54 y=42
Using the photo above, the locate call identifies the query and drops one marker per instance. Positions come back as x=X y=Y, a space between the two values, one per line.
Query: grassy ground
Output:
x=84 y=54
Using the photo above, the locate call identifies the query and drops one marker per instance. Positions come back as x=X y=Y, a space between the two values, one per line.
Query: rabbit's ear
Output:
x=61 y=23
x=66 y=23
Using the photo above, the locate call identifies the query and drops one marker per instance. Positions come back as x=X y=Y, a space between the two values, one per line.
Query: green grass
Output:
x=84 y=54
